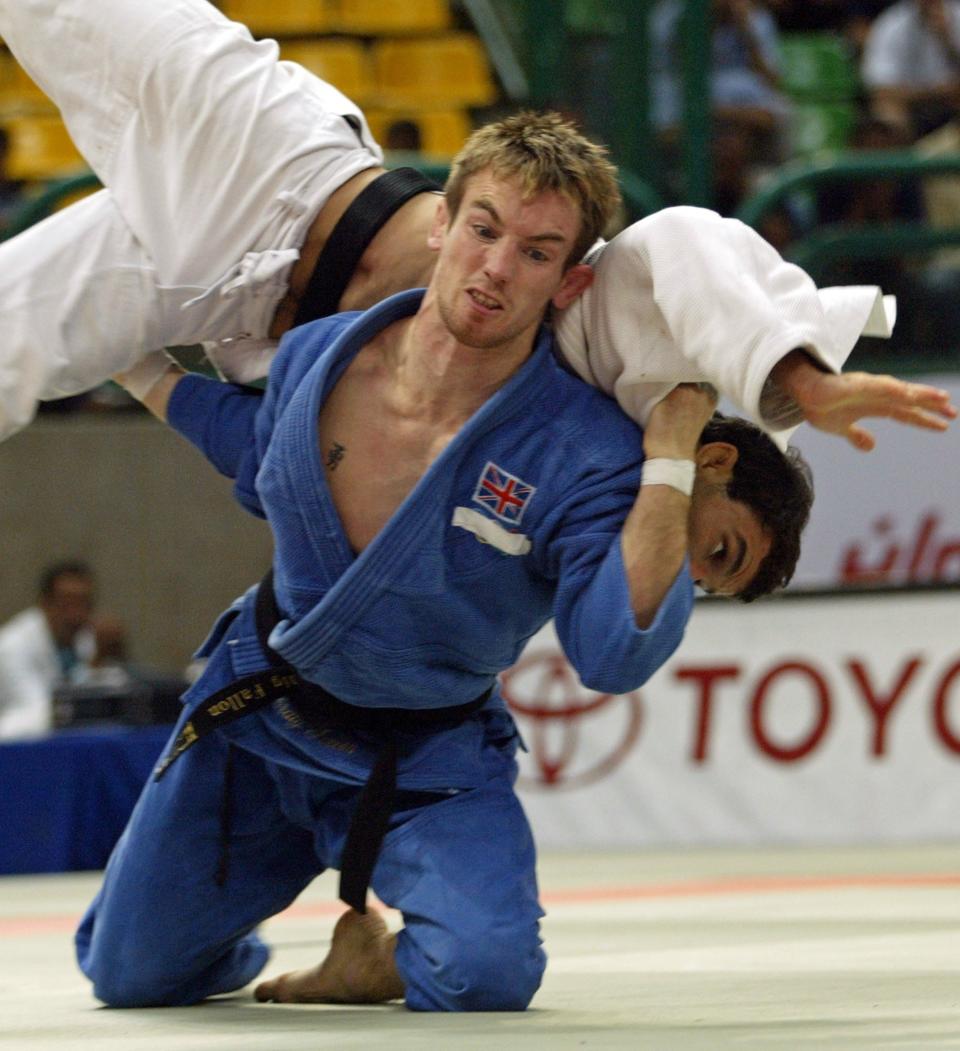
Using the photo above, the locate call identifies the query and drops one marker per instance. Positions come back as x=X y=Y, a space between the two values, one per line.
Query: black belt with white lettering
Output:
x=321 y=710
x=349 y=239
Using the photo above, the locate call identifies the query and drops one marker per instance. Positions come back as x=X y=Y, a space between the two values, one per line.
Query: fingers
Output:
x=861 y=439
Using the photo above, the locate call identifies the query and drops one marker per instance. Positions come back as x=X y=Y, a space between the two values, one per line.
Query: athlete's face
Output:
x=503 y=260
x=727 y=543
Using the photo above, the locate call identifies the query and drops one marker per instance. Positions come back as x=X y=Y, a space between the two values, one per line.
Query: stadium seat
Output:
x=442 y=132
x=40 y=148
x=818 y=67
x=435 y=72
x=382 y=17
x=591 y=17
x=18 y=93
x=280 y=17
x=816 y=128
x=344 y=63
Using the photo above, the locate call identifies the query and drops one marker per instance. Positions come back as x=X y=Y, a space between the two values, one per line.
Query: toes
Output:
x=270 y=992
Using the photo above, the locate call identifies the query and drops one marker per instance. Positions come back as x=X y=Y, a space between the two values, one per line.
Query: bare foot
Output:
x=358 y=969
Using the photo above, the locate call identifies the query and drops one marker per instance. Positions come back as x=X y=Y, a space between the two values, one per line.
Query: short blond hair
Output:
x=545 y=153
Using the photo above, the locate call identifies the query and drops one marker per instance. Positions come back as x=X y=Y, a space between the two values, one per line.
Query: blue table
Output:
x=64 y=800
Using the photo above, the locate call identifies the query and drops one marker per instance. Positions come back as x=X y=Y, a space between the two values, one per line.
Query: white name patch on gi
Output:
x=489 y=532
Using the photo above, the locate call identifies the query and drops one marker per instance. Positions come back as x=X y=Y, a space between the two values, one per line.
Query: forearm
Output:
x=152 y=382
x=655 y=535
x=654 y=545
x=834 y=403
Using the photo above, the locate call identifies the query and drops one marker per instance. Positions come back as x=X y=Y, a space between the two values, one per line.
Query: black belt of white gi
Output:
x=320 y=708
x=349 y=239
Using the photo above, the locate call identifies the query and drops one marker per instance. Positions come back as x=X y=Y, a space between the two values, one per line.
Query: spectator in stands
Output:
x=911 y=64
x=745 y=66
x=749 y=111
x=48 y=644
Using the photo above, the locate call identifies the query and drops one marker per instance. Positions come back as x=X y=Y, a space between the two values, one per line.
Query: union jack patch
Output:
x=503 y=494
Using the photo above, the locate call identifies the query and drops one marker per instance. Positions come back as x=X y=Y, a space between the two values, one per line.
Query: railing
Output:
x=879 y=164
x=46 y=202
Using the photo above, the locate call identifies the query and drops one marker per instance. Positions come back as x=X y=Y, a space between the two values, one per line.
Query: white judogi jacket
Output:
x=687 y=296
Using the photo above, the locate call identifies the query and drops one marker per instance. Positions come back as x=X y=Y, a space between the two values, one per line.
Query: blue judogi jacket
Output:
x=516 y=521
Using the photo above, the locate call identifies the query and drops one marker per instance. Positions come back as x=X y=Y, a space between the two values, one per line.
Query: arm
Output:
x=687 y=296
x=835 y=403
x=218 y=418
x=624 y=598
x=655 y=534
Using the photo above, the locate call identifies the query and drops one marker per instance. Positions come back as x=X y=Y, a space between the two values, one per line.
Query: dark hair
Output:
x=777 y=486
x=68 y=568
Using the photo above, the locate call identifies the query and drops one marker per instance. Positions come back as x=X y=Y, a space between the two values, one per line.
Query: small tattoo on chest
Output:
x=335 y=455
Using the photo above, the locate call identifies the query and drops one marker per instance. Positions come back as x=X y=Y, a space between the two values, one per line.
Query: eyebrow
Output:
x=484 y=205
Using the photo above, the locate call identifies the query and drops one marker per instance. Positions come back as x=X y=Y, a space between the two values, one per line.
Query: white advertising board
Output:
x=798 y=720
x=890 y=516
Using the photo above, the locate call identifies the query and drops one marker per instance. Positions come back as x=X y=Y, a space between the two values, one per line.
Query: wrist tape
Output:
x=676 y=473
x=146 y=374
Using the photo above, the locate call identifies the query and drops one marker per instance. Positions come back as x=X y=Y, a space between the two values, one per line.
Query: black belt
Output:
x=358 y=225
x=320 y=708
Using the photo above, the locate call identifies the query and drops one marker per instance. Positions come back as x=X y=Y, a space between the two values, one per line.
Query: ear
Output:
x=715 y=462
x=576 y=280
x=438 y=229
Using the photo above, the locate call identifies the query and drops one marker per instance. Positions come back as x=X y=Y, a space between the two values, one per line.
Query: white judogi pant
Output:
x=215 y=159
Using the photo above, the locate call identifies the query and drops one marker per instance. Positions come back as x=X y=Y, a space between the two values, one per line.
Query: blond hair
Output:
x=544 y=153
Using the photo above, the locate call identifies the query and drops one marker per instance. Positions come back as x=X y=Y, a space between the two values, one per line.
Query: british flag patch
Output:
x=503 y=494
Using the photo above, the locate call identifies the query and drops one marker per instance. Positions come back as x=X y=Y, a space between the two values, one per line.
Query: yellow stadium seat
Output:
x=434 y=72
x=280 y=17
x=441 y=132
x=18 y=93
x=343 y=63
x=380 y=17
x=40 y=148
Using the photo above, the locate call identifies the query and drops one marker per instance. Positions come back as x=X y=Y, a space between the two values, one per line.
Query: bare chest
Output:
x=372 y=464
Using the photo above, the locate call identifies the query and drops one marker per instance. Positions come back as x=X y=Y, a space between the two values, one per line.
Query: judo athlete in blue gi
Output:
x=438 y=487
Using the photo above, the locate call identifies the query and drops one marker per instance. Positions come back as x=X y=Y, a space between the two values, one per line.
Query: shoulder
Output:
x=898 y=17
x=581 y=420
x=27 y=626
x=303 y=345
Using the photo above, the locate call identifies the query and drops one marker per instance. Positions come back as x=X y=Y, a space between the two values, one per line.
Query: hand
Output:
x=676 y=423
x=835 y=404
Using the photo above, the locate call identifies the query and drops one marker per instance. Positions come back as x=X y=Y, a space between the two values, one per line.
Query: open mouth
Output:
x=483 y=301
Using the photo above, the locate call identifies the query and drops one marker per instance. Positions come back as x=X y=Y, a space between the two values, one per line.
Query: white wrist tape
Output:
x=146 y=374
x=676 y=473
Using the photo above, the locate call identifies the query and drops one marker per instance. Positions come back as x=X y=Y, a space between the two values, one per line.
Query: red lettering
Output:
x=946 y=735
x=705 y=678
x=928 y=526
x=881 y=707
x=942 y=569
x=852 y=567
x=781 y=753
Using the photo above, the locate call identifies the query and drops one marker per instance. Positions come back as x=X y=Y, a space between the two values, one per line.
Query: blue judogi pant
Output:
x=163 y=931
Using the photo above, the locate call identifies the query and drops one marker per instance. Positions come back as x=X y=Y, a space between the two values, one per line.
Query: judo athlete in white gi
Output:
x=227 y=175
x=462 y=489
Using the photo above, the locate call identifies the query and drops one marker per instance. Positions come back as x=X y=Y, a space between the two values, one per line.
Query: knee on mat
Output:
x=118 y=983
x=115 y=990
x=494 y=974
